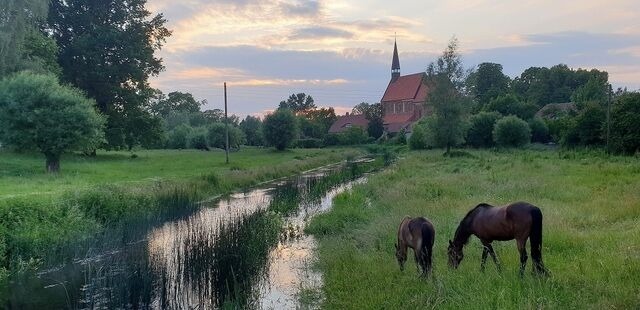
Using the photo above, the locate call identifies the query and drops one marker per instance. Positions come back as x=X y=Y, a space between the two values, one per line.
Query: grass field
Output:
x=23 y=174
x=591 y=233
x=41 y=215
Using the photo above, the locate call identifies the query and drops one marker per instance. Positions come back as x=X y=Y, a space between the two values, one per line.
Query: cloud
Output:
x=319 y=32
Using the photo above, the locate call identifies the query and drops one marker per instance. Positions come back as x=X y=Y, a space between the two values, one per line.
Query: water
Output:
x=247 y=250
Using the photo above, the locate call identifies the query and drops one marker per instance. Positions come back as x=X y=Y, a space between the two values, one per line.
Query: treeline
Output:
x=486 y=108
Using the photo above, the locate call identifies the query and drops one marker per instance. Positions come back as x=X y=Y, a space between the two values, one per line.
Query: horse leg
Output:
x=493 y=256
x=522 y=243
x=485 y=253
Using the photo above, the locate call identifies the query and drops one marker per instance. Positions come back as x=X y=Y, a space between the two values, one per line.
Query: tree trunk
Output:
x=448 y=149
x=53 y=163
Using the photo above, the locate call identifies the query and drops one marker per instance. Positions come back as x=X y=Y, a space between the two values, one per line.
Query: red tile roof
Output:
x=408 y=87
x=346 y=121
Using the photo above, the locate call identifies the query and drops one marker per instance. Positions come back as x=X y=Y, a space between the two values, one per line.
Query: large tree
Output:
x=37 y=113
x=280 y=128
x=22 y=44
x=298 y=103
x=107 y=49
x=175 y=101
x=446 y=78
x=487 y=82
x=374 y=113
x=252 y=128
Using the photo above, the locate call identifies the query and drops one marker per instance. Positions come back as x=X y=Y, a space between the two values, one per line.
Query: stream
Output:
x=245 y=250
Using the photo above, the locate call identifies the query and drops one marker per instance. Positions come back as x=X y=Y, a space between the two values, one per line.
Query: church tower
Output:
x=395 y=65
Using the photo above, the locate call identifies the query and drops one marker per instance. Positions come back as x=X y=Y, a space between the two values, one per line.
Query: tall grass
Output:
x=591 y=207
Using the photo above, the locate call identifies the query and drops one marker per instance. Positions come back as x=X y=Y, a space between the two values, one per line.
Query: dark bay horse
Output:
x=520 y=220
x=417 y=233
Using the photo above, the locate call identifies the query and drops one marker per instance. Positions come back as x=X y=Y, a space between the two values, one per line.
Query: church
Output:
x=403 y=101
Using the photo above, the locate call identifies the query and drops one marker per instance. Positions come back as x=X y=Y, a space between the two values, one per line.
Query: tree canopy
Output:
x=280 y=128
x=37 y=113
x=298 y=103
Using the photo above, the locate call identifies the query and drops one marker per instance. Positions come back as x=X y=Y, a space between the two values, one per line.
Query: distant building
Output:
x=403 y=101
x=557 y=110
x=347 y=121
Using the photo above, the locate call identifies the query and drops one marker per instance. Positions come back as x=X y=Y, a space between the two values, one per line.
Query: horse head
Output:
x=455 y=255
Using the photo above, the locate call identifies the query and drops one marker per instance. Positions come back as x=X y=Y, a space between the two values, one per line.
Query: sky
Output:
x=340 y=51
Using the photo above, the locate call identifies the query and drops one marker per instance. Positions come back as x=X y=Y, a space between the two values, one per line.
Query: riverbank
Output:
x=591 y=206
x=40 y=213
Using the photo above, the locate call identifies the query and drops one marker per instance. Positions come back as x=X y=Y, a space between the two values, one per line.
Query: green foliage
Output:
x=625 y=120
x=488 y=82
x=480 y=132
x=511 y=131
x=510 y=105
x=179 y=137
x=252 y=128
x=539 y=130
x=417 y=141
x=174 y=102
x=374 y=114
x=559 y=127
x=595 y=90
x=315 y=123
x=37 y=113
x=446 y=80
x=18 y=28
x=198 y=139
x=217 y=136
x=309 y=143
x=589 y=124
x=280 y=128
x=107 y=49
x=354 y=135
x=298 y=103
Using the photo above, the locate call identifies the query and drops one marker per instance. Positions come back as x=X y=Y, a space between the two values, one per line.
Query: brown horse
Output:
x=418 y=234
x=520 y=220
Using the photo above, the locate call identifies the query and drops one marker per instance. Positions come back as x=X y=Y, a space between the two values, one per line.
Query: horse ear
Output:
x=395 y=245
x=450 y=242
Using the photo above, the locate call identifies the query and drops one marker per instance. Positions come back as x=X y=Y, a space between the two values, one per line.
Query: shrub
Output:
x=417 y=140
x=480 y=132
x=198 y=139
x=280 y=128
x=511 y=131
x=331 y=139
x=179 y=137
x=353 y=135
x=510 y=105
x=589 y=123
x=559 y=127
x=539 y=130
x=625 y=120
x=310 y=143
x=216 y=136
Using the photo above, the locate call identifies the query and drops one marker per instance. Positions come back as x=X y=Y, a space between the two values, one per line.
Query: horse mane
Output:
x=462 y=232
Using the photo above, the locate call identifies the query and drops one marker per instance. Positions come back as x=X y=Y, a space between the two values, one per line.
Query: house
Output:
x=557 y=110
x=347 y=121
x=403 y=101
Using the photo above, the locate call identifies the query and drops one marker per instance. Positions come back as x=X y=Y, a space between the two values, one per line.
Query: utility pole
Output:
x=226 y=124
x=609 y=91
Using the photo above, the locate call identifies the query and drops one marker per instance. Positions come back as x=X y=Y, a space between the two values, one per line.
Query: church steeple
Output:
x=395 y=65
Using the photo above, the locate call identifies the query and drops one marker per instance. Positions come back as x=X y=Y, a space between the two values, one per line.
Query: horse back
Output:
x=422 y=228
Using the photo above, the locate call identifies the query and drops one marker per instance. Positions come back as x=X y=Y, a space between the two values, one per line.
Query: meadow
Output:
x=43 y=217
x=591 y=233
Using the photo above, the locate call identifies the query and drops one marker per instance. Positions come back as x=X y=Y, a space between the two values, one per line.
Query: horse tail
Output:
x=428 y=235
x=536 y=239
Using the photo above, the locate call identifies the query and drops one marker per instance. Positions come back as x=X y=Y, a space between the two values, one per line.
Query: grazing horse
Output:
x=418 y=234
x=520 y=220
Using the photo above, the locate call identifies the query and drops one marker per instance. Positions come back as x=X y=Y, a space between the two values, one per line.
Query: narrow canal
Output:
x=247 y=250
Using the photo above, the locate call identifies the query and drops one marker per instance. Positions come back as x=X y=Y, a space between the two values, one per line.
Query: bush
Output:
x=198 y=139
x=331 y=139
x=510 y=105
x=179 y=137
x=353 y=135
x=559 y=127
x=480 y=132
x=511 y=131
x=280 y=128
x=539 y=130
x=417 y=141
x=625 y=120
x=216 y=136
x=311 y=143
x=589 y=123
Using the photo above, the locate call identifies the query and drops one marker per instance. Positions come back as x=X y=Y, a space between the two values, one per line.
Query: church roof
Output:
x=350 y=120
x=408 y=87
x=395 y=64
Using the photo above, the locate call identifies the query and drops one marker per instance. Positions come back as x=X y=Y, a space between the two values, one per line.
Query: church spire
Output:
x=395 y=65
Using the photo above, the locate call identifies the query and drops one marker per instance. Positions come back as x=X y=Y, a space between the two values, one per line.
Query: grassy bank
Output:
x=39 y=214
x=591 y=207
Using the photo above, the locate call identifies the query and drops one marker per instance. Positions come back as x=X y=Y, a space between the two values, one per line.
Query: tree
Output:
x=539 y=130
x=511 y=131
x=107 y=49
x=488 y=82
x=174 y=102
x=480 y=132
x=252 y=128
x=19 y=31
x=446 y=79
x=509 y=104
x=280 y=128
x=37 y=113
x=595 y=90
x=374 y=114
x=298 y=103
x=625 y=117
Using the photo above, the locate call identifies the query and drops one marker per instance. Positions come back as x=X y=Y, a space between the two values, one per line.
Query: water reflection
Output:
x=243 y=251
